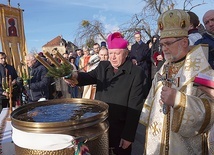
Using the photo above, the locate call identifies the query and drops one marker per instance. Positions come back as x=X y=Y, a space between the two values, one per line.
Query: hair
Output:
x=85 y=48
x=103 y=47
x=69 y=59
x=3 y=54
x=79 y=49
x=149 y=41
x=31 y=56
x=194 y=20
x=137 y=32
x=96 y=44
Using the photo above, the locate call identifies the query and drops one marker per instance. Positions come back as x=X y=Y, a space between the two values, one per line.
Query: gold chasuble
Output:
x=12 y=35
x=191 y=116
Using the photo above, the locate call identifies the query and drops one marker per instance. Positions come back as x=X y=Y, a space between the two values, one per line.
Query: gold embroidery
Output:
x=163 y=142
x=192 y=64
x=184 y=87
x=188 y=119
x=207 y=115
x=178 y=114
x=204 y=144
x=145 y=106
x=155 y=129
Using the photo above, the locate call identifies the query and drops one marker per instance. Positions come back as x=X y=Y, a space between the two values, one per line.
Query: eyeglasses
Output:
x=167 y=44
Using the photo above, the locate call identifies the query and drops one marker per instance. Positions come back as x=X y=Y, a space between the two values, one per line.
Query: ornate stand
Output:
x=10 y=86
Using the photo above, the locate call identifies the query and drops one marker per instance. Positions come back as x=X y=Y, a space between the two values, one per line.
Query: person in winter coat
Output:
x=38 y=84
x=7 y=70
x=208 y=37
x=140 y=55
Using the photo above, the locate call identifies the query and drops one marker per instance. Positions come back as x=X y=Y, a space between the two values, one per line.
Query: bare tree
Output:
x=145 y=21
x=34 y=50
x=89 y=31
x=189 y=3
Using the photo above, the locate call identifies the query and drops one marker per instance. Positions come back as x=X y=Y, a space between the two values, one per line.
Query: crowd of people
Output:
x=151 y=83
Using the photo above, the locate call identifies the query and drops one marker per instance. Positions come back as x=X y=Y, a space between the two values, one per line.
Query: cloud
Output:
x=111 y=28
x=114 y=26
x=100 y=17
x=50 y=18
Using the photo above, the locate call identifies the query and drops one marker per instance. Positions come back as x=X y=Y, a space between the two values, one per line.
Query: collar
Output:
x=180 y=60
x=178 y=64
x=4 y=65
x=125 y=67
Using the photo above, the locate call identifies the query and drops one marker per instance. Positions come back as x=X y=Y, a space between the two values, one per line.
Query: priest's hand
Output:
x=124 y=143
x=168 y=95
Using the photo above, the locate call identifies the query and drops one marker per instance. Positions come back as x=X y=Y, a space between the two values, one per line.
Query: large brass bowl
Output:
x=83 y=118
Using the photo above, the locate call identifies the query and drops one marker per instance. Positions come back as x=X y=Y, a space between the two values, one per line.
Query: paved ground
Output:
x=138 y=146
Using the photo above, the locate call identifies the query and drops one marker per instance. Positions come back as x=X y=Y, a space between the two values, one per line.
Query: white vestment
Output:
x=191 y=116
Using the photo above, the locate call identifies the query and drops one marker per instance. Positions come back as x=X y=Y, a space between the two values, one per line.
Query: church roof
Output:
x=54 y=42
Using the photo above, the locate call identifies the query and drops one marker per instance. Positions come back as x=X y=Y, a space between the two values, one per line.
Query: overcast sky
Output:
x=47 y=19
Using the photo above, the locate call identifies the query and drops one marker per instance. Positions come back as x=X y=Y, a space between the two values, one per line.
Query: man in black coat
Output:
x=38 y=84
x=141 y=56
x=7 y=70
x=120 y=84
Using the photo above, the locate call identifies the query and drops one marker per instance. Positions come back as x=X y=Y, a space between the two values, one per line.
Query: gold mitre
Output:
x=173 y=23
